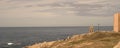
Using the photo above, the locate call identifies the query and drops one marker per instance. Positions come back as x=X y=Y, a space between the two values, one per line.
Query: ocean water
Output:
x=22 y=36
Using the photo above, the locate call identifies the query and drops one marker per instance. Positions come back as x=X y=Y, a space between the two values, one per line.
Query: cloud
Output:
x=85 y=8
x=23 y=0
x=77 y=7
x=27 y=6
x=57 y=12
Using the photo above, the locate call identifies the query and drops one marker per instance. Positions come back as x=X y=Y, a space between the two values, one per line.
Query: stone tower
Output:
x=91 y=29
x=117 y=22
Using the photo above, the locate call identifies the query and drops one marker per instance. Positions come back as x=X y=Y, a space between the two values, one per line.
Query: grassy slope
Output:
x=89 y=40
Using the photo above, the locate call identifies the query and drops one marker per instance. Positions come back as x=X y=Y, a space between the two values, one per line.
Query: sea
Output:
x=18 y=37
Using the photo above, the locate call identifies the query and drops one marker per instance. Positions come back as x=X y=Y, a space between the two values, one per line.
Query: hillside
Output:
x=88 y=40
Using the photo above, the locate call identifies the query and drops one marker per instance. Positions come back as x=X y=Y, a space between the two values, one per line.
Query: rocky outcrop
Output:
x=88 y=40
x=41 y=45
x=117 y=46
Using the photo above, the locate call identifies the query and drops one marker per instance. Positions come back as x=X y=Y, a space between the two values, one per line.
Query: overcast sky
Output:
x=25 y=13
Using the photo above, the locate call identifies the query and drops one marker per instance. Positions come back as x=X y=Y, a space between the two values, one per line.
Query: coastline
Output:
x=95 y=39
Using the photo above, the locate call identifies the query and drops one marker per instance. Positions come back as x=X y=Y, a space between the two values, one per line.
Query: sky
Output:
x=40 y=13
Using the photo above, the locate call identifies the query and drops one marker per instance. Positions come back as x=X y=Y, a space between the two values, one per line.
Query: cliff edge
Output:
x=88 y=40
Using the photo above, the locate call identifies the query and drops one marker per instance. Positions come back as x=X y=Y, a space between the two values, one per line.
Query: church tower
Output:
x=117 y=22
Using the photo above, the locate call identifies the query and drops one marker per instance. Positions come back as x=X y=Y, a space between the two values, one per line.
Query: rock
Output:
x=117 y=46
x=87 y=40
x=41 y=45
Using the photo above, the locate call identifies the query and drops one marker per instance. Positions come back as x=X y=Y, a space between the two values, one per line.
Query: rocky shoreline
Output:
x=88 y=40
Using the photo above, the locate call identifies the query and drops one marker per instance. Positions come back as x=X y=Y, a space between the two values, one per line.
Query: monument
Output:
x=117 y=22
